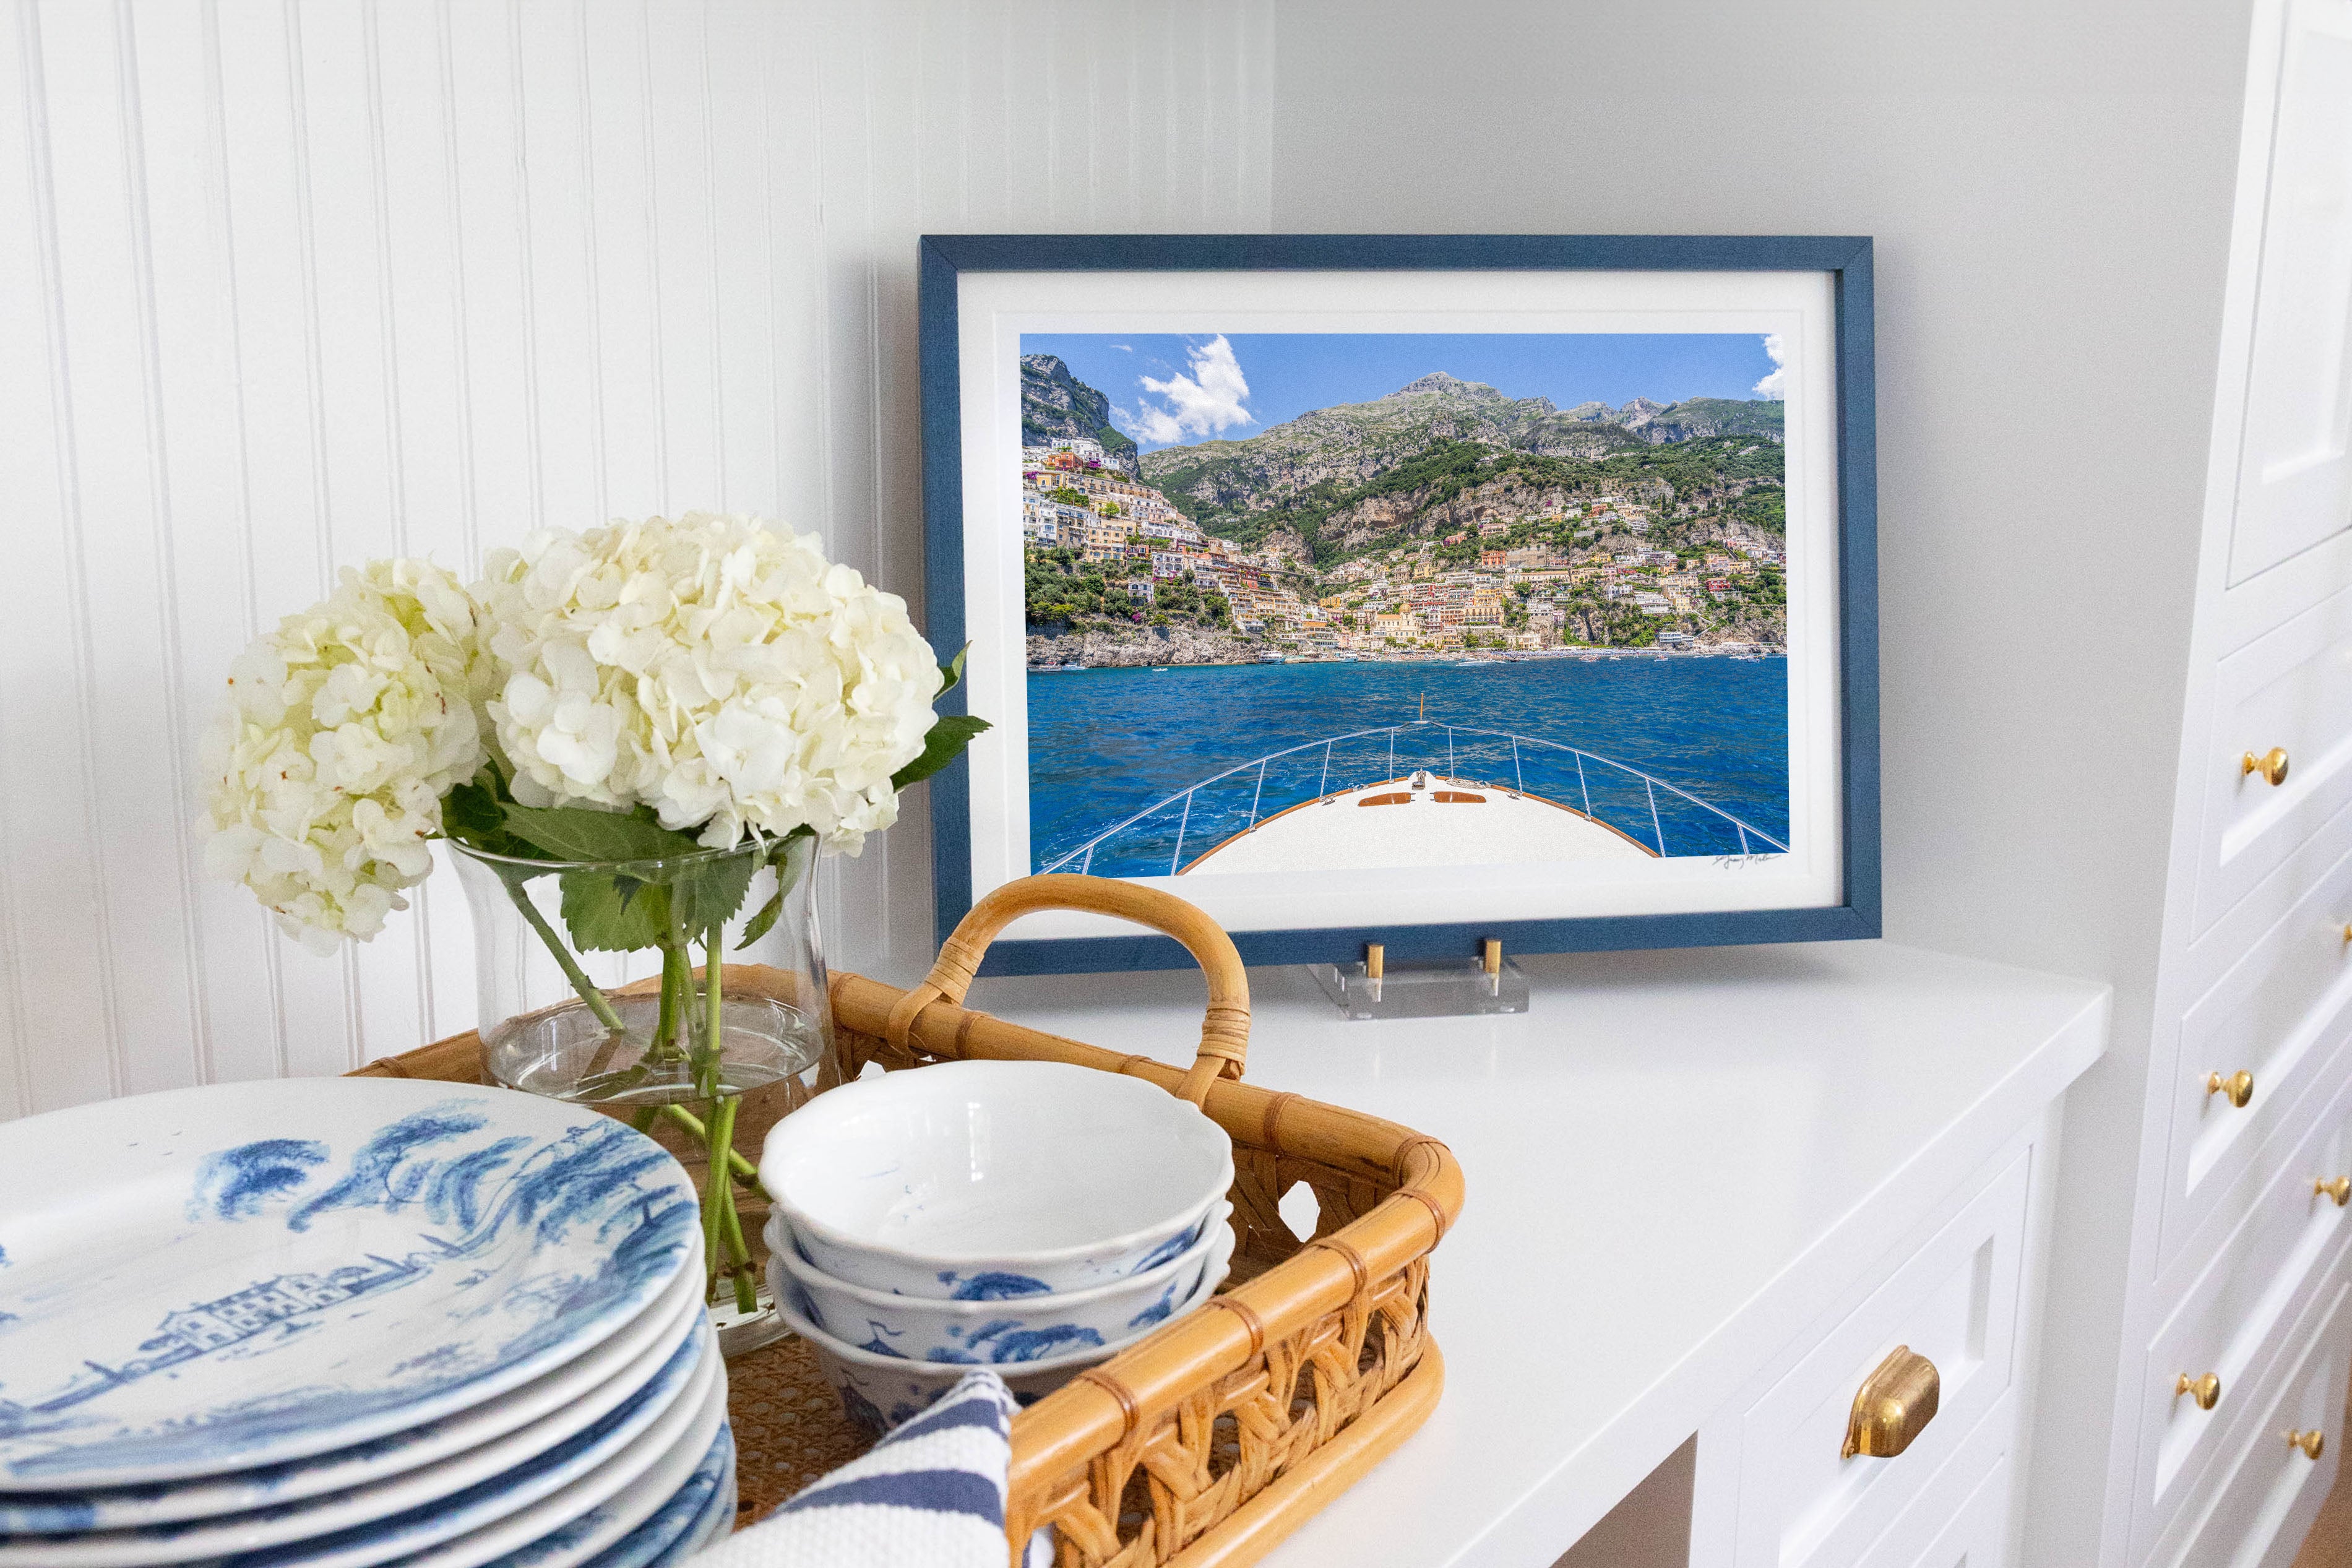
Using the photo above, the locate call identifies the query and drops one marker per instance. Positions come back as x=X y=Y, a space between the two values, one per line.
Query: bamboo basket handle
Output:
x=1224 y=1033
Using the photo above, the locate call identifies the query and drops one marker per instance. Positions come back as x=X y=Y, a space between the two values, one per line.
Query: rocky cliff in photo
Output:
x=1057 y=406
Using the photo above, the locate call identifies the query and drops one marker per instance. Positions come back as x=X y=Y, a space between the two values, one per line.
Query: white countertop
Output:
x=1672 y=1160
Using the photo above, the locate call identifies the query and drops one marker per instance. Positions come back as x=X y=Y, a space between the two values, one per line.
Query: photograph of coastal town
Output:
x=1318 y=602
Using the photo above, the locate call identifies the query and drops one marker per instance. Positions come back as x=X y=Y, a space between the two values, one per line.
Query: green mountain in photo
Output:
x=1441 y=453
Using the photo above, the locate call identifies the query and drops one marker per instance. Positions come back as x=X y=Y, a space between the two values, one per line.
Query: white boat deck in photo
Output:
x=1423 y=819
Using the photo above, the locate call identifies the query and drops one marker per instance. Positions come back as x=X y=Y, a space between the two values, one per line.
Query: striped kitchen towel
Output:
x=930 y=1495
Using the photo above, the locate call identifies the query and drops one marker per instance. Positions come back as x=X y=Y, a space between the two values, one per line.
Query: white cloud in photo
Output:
x=1208 y=400
x=1776 y=384
x=1124 y=348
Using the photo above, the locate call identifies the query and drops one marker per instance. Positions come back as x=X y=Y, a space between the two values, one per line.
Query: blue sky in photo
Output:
x=1181 y=390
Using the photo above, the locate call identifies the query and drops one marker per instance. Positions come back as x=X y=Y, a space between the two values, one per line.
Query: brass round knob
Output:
x=2313 y=1443
x=2206 y=1390
x=2336 y=1187
x=2239 y=1087
x=2271 y=764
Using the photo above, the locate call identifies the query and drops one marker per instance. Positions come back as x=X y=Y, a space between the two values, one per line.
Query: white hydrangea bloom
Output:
x=716 y=668
x=343 y=728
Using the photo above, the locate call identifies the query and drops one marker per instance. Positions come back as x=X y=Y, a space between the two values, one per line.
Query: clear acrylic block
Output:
x=1452 y=990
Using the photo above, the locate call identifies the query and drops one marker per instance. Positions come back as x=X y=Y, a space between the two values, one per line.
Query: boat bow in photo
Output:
x=1458 y=795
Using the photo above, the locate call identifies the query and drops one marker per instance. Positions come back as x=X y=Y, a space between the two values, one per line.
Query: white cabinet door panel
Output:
x=2295 y=469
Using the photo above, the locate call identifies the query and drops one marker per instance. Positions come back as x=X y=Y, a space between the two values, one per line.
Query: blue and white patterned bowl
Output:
x=1008 y=1323
x=1057 y=1177
x=218 y=1278
x=879 y=1392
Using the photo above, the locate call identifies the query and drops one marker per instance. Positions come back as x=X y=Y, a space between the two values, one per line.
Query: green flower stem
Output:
x=719 y=1197
x=571 y=965
x=714 y=1028
x=741 y=1168
x=676 y=986
x=747 y=1279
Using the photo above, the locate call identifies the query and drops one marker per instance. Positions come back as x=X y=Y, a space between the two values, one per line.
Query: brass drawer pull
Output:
x=2239 y=1087
x=2271 y=764
x=2336 y=1187
x=2206 y=1390
x=2313 y=1443
x=1893 y=1406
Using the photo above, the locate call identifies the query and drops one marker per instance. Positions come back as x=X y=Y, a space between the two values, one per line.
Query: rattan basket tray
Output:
x=1214 y=1438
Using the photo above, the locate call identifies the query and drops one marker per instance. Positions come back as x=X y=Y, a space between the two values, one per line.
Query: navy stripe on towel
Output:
x=973 y=1412
x=937 y=1492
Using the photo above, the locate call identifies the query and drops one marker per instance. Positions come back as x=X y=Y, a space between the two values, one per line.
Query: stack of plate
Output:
x=344 y=1321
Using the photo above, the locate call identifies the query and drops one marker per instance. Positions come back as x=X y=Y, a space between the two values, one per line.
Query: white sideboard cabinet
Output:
x=1711 y=1195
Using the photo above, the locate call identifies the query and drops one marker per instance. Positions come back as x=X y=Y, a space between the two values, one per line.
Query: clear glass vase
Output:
x=594 y=987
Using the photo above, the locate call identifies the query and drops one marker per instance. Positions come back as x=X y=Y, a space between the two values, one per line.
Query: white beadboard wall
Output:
x=288 y=284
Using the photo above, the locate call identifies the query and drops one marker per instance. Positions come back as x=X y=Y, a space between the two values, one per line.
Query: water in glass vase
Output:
x=566 y=1052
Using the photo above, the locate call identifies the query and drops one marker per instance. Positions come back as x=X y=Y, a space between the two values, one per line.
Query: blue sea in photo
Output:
x=1105 y=745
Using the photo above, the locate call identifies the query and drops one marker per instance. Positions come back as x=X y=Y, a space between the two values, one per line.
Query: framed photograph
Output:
x=1416 y=590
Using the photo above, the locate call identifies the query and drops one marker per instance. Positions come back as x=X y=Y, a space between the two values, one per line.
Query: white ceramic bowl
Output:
x=974 y=1180
x=1008 y=1330
x=879 y=1392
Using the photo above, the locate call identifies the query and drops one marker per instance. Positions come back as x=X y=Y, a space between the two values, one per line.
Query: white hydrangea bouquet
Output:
x=636 y=722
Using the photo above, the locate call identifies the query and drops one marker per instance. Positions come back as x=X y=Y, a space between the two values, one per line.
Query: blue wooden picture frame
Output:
x=1846 y=261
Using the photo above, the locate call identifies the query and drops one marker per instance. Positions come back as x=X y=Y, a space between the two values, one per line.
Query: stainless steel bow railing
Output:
x=1750 y=836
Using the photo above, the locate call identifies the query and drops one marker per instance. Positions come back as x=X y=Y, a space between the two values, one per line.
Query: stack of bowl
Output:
x=1032 y=1217
x=347 y=1321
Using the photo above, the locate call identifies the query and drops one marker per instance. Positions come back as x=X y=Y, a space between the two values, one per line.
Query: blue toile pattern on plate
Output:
x=695 y=1514
x=321 y=1528
x=258 y=1297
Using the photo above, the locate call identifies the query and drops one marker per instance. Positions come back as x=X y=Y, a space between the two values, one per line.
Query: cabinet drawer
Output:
x=1954 y=1302
x=2232 y=1319
x=2278 y=1014
x=1976 y=1534
x=2292 y=692
x=2272 y=1491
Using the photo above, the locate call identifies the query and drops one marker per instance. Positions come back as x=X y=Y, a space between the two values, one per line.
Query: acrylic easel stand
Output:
x=1462 y=988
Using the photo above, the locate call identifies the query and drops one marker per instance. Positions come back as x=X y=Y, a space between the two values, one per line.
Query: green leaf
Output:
x=791 y=856
x=709 y=892
x=472 y=813
x=761 y=924
x=951 y=672
x=943 y=743
x=610 y=913
x=579 y=833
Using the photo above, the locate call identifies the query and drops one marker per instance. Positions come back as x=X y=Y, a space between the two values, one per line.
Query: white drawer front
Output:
x=1977 y=1535
x=1954 y=1302
x=2290 y=691
x=2232 y=1321
x=1960 y=1518
x=2278 y=1014
x=2272 y=1491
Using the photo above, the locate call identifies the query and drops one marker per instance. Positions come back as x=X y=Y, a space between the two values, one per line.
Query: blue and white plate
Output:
x=490 y=1438
x=571 y=1528
x=216 y=1279
x=405 y=1512
x=697 y=1514
x=717 y=1520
